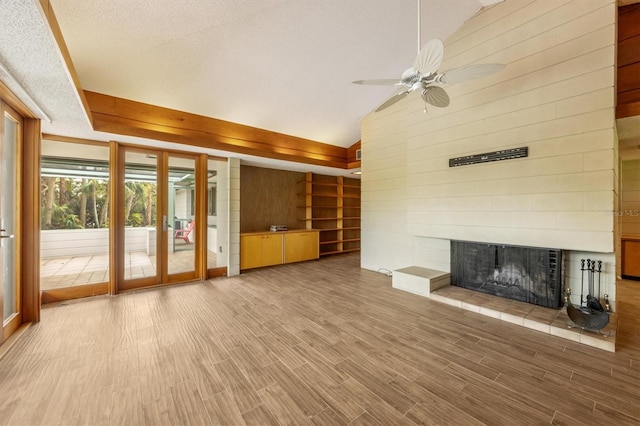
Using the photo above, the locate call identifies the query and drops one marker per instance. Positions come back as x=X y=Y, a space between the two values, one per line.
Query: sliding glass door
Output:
x=157 y=218
x=10 y=298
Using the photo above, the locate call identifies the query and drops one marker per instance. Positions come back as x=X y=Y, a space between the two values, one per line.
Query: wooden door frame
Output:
x=162 y=277
x=28 y=232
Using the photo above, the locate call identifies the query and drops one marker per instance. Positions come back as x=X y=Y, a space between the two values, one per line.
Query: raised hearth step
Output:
x=419 y=280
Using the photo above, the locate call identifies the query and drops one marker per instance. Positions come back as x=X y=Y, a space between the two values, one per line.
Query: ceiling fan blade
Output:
x=435 y=96
x=393 y=99
x=430 y=56
x=379 y=82
x=469 y=72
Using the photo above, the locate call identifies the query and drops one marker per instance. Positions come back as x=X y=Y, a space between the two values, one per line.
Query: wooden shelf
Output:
x=350 y=240
x=352 y=197
x=342 y=210
x=331 y=218
x=337 y=229
x=344 y=185
x=327 y=253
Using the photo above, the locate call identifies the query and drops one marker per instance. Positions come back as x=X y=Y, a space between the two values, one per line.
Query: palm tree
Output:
x=132 y=192
x=104 y=210
x=83 y=203
x=50 y=194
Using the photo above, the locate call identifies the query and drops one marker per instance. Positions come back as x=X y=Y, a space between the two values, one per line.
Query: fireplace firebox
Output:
x=528 y=274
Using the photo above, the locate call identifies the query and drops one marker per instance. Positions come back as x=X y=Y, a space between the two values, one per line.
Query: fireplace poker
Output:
x=591 y=265
x=582 y=283
x=599 y=276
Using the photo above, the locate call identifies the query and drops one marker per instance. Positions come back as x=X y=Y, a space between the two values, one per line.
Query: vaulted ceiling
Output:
x=269 y=80
x=281 y=67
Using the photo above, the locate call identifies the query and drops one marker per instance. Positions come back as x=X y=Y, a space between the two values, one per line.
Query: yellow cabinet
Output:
x=260 y=249
x=301 y=246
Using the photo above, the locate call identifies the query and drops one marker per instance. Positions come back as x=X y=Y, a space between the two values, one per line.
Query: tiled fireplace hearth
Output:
x=519 y=285
x=546 y=320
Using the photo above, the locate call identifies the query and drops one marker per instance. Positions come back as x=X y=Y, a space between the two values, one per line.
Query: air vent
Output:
x=358 y=154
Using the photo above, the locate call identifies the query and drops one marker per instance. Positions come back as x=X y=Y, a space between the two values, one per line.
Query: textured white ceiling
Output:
x=281 y=65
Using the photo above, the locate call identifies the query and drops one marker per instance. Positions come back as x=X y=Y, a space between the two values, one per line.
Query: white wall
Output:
x=86 y=242
x=221 y=220
x=233 y=179
x=555 y=96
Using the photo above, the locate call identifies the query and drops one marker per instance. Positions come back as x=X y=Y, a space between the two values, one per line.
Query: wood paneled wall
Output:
x=270 y=197
x=628 y=61
x=630 y=198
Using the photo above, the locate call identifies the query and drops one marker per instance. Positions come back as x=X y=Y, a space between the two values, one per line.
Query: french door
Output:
x=159 y=236
x=10 y=160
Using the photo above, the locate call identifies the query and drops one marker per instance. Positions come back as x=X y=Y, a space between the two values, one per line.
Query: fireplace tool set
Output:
x=590 y=315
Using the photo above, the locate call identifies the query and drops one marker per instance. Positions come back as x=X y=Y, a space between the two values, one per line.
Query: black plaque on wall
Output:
x=505 y=154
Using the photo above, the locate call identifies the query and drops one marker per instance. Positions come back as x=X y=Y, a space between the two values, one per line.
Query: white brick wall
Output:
x=233 y=267
x=555 y=96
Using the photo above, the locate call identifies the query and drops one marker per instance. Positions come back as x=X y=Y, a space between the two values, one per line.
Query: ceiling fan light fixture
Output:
x=419 y=85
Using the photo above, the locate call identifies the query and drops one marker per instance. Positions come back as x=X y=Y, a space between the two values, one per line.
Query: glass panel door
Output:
x=181 y=207
x=139 y=209
x=10 y=136
x=74 y=224
x=159 y=225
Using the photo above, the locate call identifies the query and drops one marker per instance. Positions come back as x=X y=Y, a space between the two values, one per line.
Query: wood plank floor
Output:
x=318 y=343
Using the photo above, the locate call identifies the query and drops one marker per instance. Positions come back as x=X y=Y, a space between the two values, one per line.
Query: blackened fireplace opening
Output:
x=528 y=274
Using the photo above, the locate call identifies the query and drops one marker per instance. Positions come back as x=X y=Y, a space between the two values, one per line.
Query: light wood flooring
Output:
x=322 y=343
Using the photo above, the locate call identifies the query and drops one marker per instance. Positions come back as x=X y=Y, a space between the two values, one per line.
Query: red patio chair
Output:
x=183 y=234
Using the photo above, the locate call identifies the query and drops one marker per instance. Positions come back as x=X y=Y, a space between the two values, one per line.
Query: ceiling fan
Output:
x=424 y=74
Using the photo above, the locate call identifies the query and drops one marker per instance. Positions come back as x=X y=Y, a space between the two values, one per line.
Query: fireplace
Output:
x=528 y=274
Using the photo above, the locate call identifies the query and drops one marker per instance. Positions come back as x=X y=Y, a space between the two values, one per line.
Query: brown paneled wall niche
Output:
x=628 y=86
x=332 y=205
x=269 y=197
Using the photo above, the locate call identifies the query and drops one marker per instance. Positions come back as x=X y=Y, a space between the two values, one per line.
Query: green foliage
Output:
x=64 y=204
x=135 y=219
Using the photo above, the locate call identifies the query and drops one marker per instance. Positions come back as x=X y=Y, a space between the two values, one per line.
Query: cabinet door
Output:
x=631 y=258
x=272 y=249
x=300 y=246
x=250 y=251
x=294 y=247
x=311 y=247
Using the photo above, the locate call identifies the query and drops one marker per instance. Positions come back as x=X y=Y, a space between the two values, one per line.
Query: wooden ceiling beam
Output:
x=126 y=117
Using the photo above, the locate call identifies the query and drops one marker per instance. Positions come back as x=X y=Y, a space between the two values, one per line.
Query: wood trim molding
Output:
x=69 y=139
x=74 y=292
x=202 y=165
x=628 y=110
x=126 y=117
x=116 y=232
x=627 y=2
x=11 y=99
x=30 y=217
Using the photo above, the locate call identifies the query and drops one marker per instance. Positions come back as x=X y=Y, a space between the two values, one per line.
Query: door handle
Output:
x=165 y=224
x=5 y=236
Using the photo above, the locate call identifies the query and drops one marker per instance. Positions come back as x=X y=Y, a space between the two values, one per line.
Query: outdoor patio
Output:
x=59 y=272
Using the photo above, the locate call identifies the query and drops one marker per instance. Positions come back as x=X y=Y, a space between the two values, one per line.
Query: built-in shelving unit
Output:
x=332 y=206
